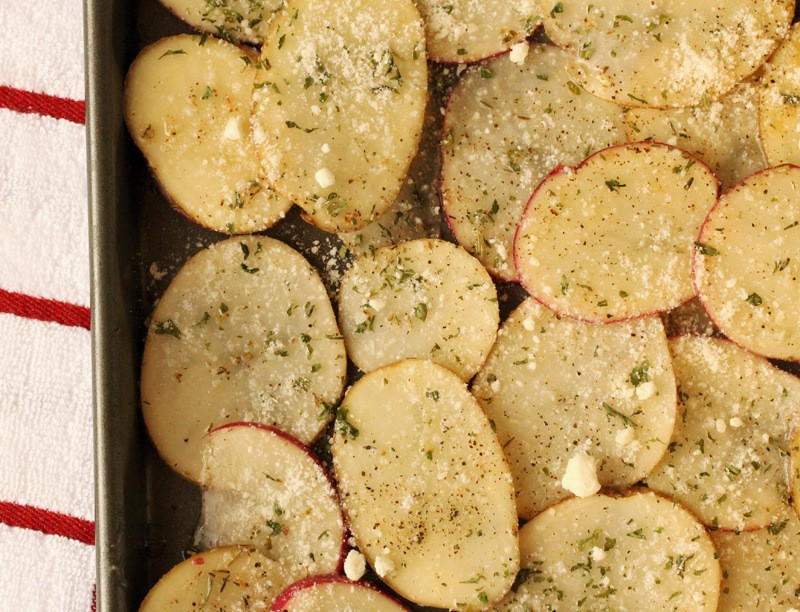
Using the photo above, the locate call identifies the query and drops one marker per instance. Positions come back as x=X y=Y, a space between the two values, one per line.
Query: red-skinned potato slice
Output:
x=666 y=54
x=613 y=238
x=613 y=398
x=240 y=20
x=333 y=594
x=187 y=106
x=264 y=488
x=747 y=264
x=507 y=126
x=759 y=568
x=426 y=488
x=727 y=461
x=606 y=553
x=723 y=133
x=338 y=106
x=234 y=578
x=779 y=113
x=470 y=30
x=245 y=332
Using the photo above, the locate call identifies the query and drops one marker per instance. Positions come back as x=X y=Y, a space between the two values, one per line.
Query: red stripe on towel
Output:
x=44 y=309
x=23 y=101
x=46 y=521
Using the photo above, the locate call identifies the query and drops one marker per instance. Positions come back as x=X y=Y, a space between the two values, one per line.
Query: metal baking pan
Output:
x=145 y=513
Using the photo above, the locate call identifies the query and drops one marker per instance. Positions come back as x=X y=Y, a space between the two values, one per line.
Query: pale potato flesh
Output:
x=244 y=21
x=665 y=53
x=759 y=568
x=747 y=266
x=338 y=106
x=469 y=30
x=245 y=332
x=507 y=126
x=187 y=105
x=231 y=578
x=603 y=553
x=263 y=489
x=723 y=133
x=335 y=594
x=426 y=487
x=609 y=378
x=779 y=113
x=727 y=461
x=613 y=238
x=427 y=299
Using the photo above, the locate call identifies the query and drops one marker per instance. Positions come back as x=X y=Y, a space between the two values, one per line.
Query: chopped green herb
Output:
x=168 y=328
x=173 y=52
x=248 y=269
x=640 y=374
x=421 y=311
x=614 y=185
x=611 y=412
x=558 y=8
x=706 y=249
x=208 y=92
x=346 y=428
x=754 y=299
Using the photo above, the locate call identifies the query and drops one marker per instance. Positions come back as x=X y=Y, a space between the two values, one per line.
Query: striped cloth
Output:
x=46 y=483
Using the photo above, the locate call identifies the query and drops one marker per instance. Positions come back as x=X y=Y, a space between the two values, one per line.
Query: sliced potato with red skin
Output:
x=425 y=299
x=747 y=264
x=506 y=127
x=333 y=594
x=187 y=106
x=613 y=398
x=779 y=113
x=612 y=238
x=263 y=488
x=245 y=332
x=338 y=106
x=240 y=20
x=727 y=461
x=426 y=488
x=759 y=568
x=607 y=553
x=723 y=133
x=666 y=54
x=231 y=578
x=463 y=31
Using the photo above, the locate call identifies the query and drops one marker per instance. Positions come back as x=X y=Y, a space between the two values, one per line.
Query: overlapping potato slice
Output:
x=727 y=461
x=507 y=126
x=244 y=21
x=426 y=488
x=339 y=104
x=232 y=578
x=779 y=113
x=245 y=332
x=469 y=30
x=605 y=553
x=613 y=397
x=759 y=568
x=613 y=238
x=333 y=594
x=187 y=105
x=264 y=488
x=723 y=133
x=427 y=299
x=666 y=54
x=747 y=264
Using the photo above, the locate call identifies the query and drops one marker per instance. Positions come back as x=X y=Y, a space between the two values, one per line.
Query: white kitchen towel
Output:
x=46 y=481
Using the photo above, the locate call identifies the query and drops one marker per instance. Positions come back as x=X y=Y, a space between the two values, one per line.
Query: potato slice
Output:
x=333 y=594
x=231 y=578
x=747 y=264
x=779 y=114
x=427 y=299
x=612 y=238
x=426 y=488
x=613 y=398
x=264 y=488
x=724 y=134
x=727 y=458
x=666 y=54
x=606 y=553
x=187 y=105
x=245 y=332
x=470 y=30
x=507 y=126
x=759 y=568
x=339 y=105
x=244 y=21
